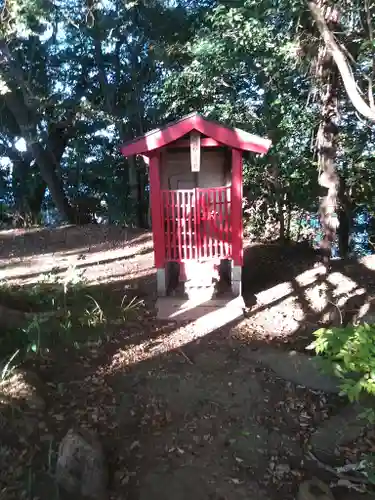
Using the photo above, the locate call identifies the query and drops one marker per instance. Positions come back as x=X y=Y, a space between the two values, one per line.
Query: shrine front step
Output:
x=214 y=313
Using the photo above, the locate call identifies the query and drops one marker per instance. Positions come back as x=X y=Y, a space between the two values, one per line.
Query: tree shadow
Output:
x=268 y=265
x=278 y=279
x=68 y=239
x=59 y=268
x=202 y=417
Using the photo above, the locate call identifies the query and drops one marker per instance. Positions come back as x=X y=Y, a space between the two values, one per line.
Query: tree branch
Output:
x=346 y=74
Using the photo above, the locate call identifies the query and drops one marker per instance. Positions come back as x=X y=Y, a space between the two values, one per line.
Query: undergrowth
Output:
x=62 y=312
x=349 y=353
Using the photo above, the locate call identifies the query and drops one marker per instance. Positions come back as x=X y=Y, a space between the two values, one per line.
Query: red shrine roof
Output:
x=160 y=137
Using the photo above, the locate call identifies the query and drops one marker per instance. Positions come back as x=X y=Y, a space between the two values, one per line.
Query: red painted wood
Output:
x=201 y=226
x=197 y=241
x=156 y=211
x=179 y=224
x=236 y=207
x=234 y=138
x=146 y=159
x=191 y=211
x=206 y=142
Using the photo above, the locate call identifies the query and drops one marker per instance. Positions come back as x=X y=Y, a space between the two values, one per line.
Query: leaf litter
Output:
x=203 y=409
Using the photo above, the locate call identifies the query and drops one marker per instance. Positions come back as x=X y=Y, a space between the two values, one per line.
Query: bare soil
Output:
x=200 y=419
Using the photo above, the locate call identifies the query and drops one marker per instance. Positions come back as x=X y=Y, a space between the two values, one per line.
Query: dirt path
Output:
x=203 y=420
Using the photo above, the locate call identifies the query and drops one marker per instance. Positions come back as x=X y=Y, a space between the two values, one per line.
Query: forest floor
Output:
x=198 y=417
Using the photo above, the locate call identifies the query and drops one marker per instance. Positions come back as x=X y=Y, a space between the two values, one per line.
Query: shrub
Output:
x=349 y=352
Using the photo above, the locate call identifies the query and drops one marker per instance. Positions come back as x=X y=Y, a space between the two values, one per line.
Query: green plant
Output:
x=93 y=316
x=349 y=352
x=9 y=367
x=131 y=307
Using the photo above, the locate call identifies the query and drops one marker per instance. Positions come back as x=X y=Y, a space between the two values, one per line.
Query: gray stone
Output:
x=314 y=489
x=81 y=468
x=298 y=368
x=282 y=469
x=338 y=430
x=161 y=282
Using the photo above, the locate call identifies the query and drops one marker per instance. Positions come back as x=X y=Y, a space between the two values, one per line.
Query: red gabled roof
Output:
x=232 y=137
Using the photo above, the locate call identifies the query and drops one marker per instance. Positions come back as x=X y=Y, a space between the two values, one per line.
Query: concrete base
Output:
x=236 y=280
x=161 y=284
x=199 y=273
x=215 y=311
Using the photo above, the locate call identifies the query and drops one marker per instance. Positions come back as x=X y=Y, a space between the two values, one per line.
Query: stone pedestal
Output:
x=161 y=284
x=236 y=280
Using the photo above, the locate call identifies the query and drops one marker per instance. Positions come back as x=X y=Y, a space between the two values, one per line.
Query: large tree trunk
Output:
x=327 y=143
x=24 y=110
x=42 y=155
x=46 y=156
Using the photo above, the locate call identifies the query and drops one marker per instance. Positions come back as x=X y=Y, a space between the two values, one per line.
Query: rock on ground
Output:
x=81 y=467
x=23 y=388
x=339 y=430
x=298 y=368
x=314 y=489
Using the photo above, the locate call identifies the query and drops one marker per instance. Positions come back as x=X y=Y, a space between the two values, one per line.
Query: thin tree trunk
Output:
x=345 y=220
x=327 y=145
x=288 y=220
x=280 y=216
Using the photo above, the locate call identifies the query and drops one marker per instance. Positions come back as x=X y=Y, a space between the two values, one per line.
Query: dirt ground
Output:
x=196 y=418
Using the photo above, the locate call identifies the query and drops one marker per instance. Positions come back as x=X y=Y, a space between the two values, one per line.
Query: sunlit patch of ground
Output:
x=175 y=405
x=105 y=257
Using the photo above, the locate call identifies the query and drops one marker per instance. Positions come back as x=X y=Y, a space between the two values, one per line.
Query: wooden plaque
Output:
x=195 y=151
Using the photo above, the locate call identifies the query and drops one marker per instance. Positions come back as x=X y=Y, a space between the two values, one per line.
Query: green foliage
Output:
x=349 y=352
x=92 y=80
x=67 y=313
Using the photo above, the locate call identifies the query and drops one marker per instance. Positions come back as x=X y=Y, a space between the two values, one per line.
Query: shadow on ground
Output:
x=197 y=416
x=21 y=243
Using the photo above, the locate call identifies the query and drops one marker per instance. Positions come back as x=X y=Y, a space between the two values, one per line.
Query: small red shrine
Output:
x=195 y=170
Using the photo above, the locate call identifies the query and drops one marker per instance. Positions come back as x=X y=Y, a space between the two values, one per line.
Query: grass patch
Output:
x=62 y=311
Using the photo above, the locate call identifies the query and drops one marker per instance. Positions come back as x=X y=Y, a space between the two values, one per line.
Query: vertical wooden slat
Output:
x=190 y=228
x=168 y=196
x=175 y=225
x=156 y=211
x=165 y=222
x=198 y=234
x=236 y=207
x=221 y=222
x=229 y=201
x=184 y=224
x=215 y=222
x=229 y=240
x=206 y=236
x=178 y=210
x=170 y=223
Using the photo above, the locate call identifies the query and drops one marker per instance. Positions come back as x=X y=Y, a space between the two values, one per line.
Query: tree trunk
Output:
x=345 y=220
x=280 y=216
x=36 y=201
x=43 y=155
x=327 y=145
x=288 y=220
x=323 y=24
